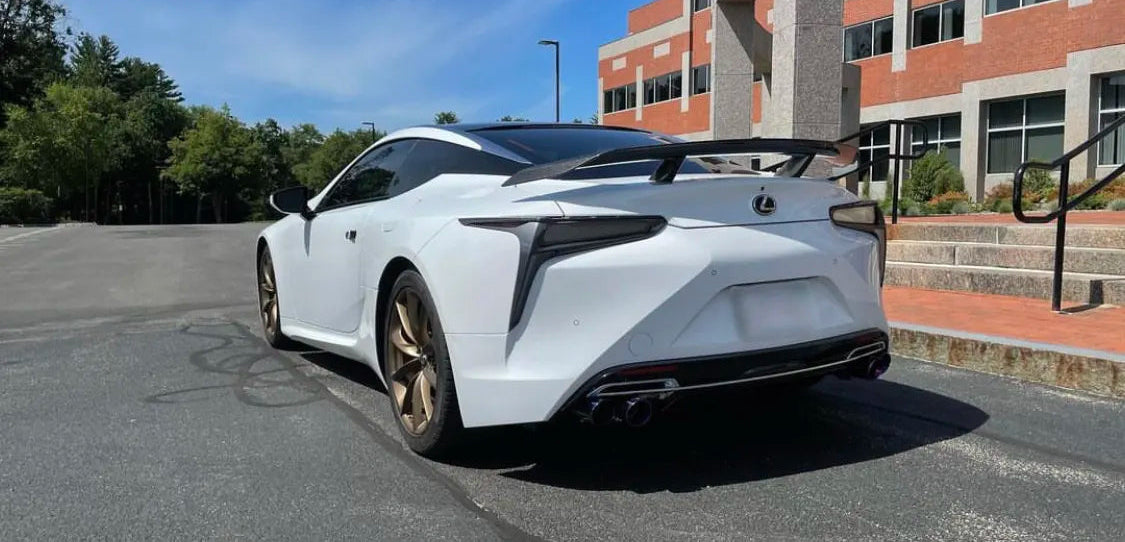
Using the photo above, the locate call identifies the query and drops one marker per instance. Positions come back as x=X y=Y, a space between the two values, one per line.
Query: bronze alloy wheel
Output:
x=267 y=296
x=412 y=361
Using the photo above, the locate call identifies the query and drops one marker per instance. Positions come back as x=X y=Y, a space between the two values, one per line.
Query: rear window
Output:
x=543 y=145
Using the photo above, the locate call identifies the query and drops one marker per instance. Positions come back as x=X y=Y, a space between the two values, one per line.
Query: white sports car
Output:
x=514 y=273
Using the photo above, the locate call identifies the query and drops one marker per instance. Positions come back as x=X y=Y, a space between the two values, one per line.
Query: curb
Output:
x=1091 y=371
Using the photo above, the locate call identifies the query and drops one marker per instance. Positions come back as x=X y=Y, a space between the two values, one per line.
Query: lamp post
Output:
x=372 y=125
x=555 y=44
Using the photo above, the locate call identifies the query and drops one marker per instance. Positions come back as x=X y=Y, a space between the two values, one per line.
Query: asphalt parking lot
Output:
x=138 y=401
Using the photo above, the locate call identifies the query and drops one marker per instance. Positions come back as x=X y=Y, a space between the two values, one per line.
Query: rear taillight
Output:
x=864 y=216
x=544 y=238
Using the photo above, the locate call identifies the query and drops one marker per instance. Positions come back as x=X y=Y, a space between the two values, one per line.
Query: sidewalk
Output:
x=1011 y=336
x=1017 y=318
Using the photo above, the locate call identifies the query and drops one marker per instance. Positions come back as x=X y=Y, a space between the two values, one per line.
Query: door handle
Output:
x=350 y=235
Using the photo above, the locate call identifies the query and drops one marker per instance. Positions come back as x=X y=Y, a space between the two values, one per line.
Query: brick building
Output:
x=997 y=81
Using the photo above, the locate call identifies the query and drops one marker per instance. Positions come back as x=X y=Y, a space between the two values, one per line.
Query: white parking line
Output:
x=24 y=235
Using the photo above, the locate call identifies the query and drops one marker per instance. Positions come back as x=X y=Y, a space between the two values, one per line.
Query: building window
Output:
x=700 y=5
x=868 y=39
x=943 y=133
x=1112 y=150
x=701 y=79
x=1024 y=129
x=872 y=146
x=939 y=22
x=663 y=88
x=620 y=98
x=996 y=6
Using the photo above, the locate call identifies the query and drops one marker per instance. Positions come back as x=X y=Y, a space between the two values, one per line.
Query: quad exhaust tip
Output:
x=634 y=412
x=637 y=412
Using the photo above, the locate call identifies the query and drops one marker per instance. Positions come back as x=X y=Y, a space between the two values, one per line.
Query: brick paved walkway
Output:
x=1101 y=328
x=1115 y=218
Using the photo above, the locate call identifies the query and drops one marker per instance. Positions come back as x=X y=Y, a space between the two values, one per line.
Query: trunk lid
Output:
x=705 y=201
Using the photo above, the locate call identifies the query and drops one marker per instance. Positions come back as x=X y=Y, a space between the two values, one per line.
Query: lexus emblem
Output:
x=763 y=204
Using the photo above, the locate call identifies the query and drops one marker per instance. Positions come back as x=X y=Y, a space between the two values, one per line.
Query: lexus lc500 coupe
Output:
x=517 y=273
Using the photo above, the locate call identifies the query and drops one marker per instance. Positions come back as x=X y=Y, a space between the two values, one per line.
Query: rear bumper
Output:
x=846 y=354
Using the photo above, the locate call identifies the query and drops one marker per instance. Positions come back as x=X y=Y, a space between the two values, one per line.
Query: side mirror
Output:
x=294 y=200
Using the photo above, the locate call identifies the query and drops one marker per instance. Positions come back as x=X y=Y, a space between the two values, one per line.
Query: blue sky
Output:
x=337 y=63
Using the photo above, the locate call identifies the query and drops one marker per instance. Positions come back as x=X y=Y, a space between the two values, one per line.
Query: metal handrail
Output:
x=1065 y=203
x=898 y=156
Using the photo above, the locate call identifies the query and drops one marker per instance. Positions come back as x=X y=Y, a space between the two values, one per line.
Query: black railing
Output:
x=901 y=144
x=1065 y=203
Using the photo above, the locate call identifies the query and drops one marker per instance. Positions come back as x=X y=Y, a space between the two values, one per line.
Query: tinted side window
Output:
x=430 y=158
x=371 y=178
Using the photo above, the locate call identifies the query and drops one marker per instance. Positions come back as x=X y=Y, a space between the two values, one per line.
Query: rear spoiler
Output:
x=672 y=155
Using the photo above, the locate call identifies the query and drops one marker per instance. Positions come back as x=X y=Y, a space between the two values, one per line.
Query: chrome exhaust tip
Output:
x=876 y=367
x=600 y=412
x=638 y=412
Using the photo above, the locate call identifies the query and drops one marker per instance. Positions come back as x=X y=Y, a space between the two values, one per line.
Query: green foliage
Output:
x=931 y=175
x=32 y=49
x=446 y=117
x=509 y=118
x=217 y=156
x=1039 y=185
x=24 y=206
x=943 y=203
x=1116 y=205
x=326 y=161
x=866 y=189
x=960 y=208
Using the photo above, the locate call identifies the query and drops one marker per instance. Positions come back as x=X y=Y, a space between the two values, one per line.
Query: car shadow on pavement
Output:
x=713 y=440
x=730 y=439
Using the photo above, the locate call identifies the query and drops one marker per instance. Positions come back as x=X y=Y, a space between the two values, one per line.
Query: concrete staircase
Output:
x=1004 y=259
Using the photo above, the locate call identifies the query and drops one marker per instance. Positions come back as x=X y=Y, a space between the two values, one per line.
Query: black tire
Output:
x=270 y=314
x=443 y=429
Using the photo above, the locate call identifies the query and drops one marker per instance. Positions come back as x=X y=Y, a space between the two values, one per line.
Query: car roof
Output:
x=485 y=126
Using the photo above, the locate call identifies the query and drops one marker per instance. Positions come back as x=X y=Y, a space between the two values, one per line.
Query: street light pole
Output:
x=555 y=44
x=372 y=125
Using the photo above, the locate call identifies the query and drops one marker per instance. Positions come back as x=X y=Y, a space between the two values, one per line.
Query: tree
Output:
x=509 y=118
x=94 y=62
x=594 y=118
x=66 y=144
x=217 y=156
x=446 y=117
x=137 y=76
x=150 y=121
x=932 y=175
x=31 y=50
x=324 y=163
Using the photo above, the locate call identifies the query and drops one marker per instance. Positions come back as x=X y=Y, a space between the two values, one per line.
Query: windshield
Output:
x=544 y=145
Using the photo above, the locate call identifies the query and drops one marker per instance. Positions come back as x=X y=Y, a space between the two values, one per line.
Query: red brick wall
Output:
x=756 y=104
x=664 y=116
x=700 y=49
x=650 y=15
x=858 y=11
x=1019 y=41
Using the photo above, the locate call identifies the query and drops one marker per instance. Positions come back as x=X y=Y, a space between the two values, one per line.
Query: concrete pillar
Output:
x=1081 y=114
x=601 y=100
x=640 y=93
x=732 y=68
x=974 y=18
x=902 y=35
x=974 y=141
x=807 y=87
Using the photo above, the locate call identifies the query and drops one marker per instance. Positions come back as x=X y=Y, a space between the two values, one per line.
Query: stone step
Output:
x=1009 y=234
x=1104 y=261
x=1085 y=288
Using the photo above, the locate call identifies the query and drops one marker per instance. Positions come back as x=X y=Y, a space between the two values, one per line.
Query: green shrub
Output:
x=931 y=175
x=1038 y=185
x=961 y=208
x=23 y=206
x=1004 y=206
x=866 y=191
x=1116 y=205
x=944 y=203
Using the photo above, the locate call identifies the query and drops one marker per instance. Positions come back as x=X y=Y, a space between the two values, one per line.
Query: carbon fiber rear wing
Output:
x=672 y=155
